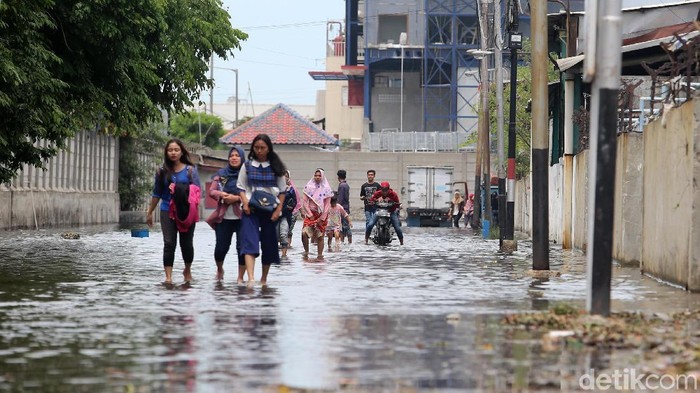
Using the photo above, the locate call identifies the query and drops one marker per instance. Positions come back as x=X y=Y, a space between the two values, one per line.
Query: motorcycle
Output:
x=383 y=232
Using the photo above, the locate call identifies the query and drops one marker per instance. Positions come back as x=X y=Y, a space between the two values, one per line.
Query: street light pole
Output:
x=515 y=43
x=499 y=123
x=401 y=122
x=605 y=77
x=235 y=124
x=402 y=43
x=211 y=90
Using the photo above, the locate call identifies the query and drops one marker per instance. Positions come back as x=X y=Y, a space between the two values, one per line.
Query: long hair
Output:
x=275 y=162
x=185 y=158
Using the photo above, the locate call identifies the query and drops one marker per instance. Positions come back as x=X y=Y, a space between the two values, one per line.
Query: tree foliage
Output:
x=523 y=117
x=139 y=155
x=69 y=65
x=190 y=126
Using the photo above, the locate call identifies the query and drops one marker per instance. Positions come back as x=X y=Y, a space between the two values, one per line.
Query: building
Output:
x=399 y=76
x=288 y=130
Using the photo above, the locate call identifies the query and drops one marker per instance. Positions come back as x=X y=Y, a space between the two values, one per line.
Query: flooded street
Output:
x=91 y=315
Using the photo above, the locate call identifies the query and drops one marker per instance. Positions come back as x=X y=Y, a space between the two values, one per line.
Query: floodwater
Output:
x=91 y=315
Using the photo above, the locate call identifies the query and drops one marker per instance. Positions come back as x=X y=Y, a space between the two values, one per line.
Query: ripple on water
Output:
x=91 y=315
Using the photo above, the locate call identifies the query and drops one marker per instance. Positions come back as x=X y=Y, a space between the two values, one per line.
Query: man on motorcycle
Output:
x=386 y=194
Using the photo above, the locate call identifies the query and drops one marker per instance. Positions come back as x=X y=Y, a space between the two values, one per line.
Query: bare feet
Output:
x=305 y=255
x=187 y=274
x=250 y=283
x=319 y=258
x=219 y=274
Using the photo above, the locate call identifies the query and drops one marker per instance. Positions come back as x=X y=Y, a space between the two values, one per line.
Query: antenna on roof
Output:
x=252 y=104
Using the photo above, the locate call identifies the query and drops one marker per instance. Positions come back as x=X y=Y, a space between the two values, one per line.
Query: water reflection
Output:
x=180 y=364
x=92 y=315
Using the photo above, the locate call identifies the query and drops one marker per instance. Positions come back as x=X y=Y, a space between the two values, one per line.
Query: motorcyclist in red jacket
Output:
x=385 y=193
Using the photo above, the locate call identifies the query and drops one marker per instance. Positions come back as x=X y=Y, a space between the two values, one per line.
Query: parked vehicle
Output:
x=429 y=196
x=383 y=232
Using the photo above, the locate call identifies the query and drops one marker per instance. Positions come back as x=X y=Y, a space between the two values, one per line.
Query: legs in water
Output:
x=241 y=273
x=250 y=268
x=265 y=270
x=305 y=243
x=319 y=246
x=187 y=273
x=219 y=270
x=168 y=274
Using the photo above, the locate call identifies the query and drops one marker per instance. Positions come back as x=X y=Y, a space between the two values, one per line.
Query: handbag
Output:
x=263 y=201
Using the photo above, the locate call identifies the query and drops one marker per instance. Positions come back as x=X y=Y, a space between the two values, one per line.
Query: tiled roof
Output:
x=283 y=125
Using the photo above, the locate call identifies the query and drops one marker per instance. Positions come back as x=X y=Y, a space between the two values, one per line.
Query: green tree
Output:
x=69 y=65
x=523 y=117
x=139 y=154
x=190 y=126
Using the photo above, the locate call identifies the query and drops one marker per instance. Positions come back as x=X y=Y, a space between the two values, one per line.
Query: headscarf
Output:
x=457 y=200
x=292 y=187
x=228 y=175
x=318 y=192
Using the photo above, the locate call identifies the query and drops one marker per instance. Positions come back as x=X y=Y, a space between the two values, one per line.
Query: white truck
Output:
x=429 y=195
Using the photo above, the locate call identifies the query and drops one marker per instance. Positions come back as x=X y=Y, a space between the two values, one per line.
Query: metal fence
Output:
x=413 y=141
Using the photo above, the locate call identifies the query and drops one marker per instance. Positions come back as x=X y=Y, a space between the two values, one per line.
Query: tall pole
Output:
x=199 y=120
x=540 y=134
x=603 y=149
x=401 y=121
x=515 y=43
x=486 y=148
x=211 y=90
x=236 y=123
x=499 y=122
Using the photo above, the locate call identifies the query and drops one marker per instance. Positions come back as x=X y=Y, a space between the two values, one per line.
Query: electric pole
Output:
x=603 y=68
x=514 y=43
x=498 y=53
x=484 y=118
x=540 y=137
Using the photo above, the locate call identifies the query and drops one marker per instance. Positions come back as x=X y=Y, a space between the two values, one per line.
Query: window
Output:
x=391 y=27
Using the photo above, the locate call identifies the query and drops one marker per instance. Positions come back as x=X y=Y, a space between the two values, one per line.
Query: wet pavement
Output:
x=91 y=315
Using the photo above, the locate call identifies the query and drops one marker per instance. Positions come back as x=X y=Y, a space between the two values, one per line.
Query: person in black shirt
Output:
x=366 y=191
x=344 y=201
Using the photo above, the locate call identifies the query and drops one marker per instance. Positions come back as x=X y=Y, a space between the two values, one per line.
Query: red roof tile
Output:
x=283 y=125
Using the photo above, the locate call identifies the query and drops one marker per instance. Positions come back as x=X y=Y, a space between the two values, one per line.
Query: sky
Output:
x=286 y=40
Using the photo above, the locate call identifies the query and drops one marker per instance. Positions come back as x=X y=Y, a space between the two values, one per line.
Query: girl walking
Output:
x=226 y=219
x=176 y=184
x=262 y=186
x=315 y=204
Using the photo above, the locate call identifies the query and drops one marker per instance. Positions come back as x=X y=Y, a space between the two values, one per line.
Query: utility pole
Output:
x=484 y=118
x=540 y=137
x=514 y=43
x=498 y=53
x=211 y=90
x=603 y=69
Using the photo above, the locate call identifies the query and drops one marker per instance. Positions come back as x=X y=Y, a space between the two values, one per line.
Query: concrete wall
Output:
x=694 y=260
x=670 y=196
x=579 y=233
x=523 y=205
x=391 y=167
x=657 y=198
x=556 y=210
x=31 y=209
x=78 y=187
x=629 y=180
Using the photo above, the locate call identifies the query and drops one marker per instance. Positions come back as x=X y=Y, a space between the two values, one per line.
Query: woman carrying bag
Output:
x=262 y=186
